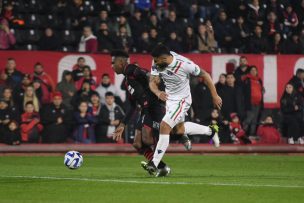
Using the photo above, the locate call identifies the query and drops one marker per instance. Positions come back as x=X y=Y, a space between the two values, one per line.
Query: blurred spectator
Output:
x=5 y=118
x=297 y=81
x=161 y=8
x=224 y=32
x=206 y=41
x=276 y=45
x=46 y=82
x=87 y=76
x=124 y=41
x=103 y=17
x=67 y=88
x=84 y=129
x=290 y=20
x=277 y=7
x=7 y=38
x=19 y=91
x=11 y=75
x=257 y=43
x=30 y=96
x=109 y=118
x=228 y=93
x=143 y=43
x=7 y=95
x=238 y=135
x=77 y=12
x=49 y=41
x=138 y=25
x=173 y=43
x=83 y=94
x=241 y=71
x=122 y=22
x=300 y=12
x=12 y=135
x=106 y=39
x=253 y=100
x=30 y=124
x=255 y=14
x=55 y=118
x=242 y=33
x=78 y=68
x=292 y=111
x=95 y=104
x=88 y=42
x=106 y=86
x=293 y=45
x=268 y=132
x=171 y=24
x=190 y=41
x=8 y=12
x=272 y=25
x=221 y=82
x=154 y=38
x=302 y=36
x=202 y=108
x=153 y=22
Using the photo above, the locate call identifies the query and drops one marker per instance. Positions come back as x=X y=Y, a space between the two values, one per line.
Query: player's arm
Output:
x=217 y=101
x=119 y=130
x=153 y=85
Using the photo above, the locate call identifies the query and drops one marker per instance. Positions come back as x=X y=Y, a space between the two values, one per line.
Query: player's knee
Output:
x=179 y=129
x=164 y=128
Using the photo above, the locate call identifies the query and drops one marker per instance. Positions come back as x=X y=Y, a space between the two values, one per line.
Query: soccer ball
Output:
x=73 y=159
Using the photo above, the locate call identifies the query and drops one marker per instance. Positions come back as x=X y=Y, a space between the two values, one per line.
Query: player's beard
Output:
x=162 y=66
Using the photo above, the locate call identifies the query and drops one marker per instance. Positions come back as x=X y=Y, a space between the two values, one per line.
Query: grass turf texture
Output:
x=193 y=179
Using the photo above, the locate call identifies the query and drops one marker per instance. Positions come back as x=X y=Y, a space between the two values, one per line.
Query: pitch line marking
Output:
x=156 y=182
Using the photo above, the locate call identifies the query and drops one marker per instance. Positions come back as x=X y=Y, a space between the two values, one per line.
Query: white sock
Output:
x=161 y=148
x=196 y=129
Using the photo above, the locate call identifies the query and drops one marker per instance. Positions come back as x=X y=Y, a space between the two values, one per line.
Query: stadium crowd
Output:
x=33 y=109
x=197 y=26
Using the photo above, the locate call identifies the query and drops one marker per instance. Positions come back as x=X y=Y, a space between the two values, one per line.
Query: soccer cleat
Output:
x=186 y=142
x=300 y=140
x=215 y=137
x=151 y=168
x=163 y=172
x=144 y=165
x=291 y=141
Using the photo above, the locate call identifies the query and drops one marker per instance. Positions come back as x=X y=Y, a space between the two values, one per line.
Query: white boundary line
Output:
x=156 y=182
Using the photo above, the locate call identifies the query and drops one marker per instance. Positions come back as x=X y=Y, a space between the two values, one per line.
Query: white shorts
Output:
x=176 y=111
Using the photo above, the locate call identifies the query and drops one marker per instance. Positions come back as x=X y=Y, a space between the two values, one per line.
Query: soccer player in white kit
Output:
x=175 y=70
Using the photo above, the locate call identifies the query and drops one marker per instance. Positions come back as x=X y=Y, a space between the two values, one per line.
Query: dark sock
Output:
x=161 y=165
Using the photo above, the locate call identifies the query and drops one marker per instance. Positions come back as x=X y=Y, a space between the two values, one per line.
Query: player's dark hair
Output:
x=10 y=59
x=109 y=94
x=160 y=50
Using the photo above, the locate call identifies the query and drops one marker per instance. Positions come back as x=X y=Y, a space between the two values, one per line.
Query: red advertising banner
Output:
x=275 y=70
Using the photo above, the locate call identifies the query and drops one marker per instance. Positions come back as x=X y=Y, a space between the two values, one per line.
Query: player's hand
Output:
x=162 y=96
x=217 y=101
x=118 y=132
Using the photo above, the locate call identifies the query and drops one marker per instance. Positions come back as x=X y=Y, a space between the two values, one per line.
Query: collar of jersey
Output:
x=173 y=63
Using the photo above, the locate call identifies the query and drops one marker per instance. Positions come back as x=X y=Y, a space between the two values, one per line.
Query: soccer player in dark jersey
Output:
x=152 y=109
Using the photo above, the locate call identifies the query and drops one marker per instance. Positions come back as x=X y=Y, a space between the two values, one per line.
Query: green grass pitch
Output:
x=199 y=178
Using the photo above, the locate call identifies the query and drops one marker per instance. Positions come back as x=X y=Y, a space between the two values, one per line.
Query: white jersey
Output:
x=176 y=76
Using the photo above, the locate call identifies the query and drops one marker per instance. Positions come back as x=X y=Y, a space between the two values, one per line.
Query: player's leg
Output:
x=190 y=128
x=180 y=131
x=148 y=140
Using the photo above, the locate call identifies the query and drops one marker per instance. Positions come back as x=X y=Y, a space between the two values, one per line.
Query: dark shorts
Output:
x=152 y=119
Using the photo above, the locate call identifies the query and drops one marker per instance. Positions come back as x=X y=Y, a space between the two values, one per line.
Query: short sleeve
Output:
x=192 y=68
x=154 y=70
